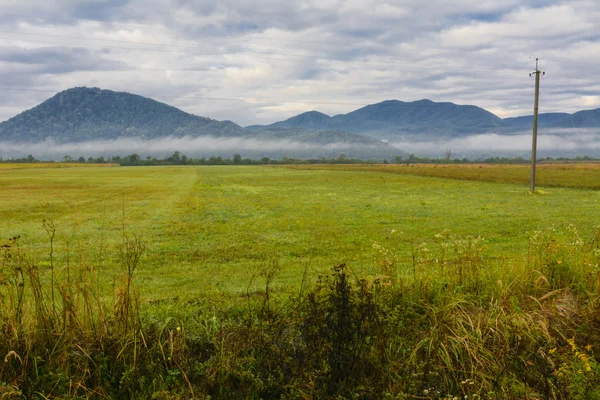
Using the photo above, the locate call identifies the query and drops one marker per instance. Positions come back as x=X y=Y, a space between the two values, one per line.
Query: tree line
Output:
x=177 y=158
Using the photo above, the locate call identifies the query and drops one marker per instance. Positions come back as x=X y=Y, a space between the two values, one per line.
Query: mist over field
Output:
x=551 y=143
x=204 y=146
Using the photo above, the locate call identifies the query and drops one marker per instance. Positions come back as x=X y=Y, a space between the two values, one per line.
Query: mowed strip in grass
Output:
x=211 y=231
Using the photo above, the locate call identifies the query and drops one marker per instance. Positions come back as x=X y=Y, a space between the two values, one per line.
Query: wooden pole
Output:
x=535 y=126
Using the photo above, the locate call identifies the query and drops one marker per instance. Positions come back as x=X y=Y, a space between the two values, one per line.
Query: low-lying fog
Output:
x=552 y=143
x=566 y=142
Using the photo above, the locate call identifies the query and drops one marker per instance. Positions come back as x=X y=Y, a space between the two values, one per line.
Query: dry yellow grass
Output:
x=574 y=175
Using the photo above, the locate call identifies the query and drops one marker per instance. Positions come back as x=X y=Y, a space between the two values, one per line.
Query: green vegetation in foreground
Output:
x=180 y=282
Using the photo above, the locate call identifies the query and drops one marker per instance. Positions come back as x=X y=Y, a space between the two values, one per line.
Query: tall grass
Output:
x=446 y=322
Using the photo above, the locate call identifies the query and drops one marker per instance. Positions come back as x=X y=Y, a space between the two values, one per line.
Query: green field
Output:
x=449 y=305
x=210 y=229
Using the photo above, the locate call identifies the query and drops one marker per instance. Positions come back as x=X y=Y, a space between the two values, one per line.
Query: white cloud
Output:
x=286 y=56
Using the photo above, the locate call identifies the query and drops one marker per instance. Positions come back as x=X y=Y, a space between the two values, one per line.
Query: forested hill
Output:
x=81 y=114
x=391 y=118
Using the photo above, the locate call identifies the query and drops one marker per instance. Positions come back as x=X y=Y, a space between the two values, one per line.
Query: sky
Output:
x=261 y=61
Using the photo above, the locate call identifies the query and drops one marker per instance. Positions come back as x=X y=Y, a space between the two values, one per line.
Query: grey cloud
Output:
x=467 y=51
x=59 y=60
x=99 y=10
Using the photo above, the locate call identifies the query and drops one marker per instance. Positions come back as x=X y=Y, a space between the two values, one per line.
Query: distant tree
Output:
x=81 y=159
x=237 y=159
x=175 y=157
x=133 y=158
x=448 y=155
x=265 y=160
x=398 y=159
x=31 y=158
x=215 y=160
x=342 y=156
x=67 y=158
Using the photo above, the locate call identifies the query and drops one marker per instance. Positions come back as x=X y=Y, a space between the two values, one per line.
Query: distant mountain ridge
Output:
x=87 y=114
x=391 y=119
x=82 y=114
x=91 y=114
x=580 y=119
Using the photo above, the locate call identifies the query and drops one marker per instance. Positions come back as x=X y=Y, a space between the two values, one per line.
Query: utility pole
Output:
x=535 y=124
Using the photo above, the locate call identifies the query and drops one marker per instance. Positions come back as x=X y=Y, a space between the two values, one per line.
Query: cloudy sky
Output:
x=258 y=61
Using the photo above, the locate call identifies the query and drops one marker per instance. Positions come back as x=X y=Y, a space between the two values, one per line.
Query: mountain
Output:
x=526 y=122
x=581 y=119
x=81 y=114
x=87 y=114
x=90 y=114
x=393 y=118
x=308 y=143
x=309 y=120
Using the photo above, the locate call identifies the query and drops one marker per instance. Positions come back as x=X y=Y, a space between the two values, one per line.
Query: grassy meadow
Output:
x=456 y=278
x=210 y=229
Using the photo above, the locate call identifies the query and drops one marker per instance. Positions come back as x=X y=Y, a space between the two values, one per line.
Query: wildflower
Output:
x=178 y=329
x=588 y=368
x=588 y=347
x=552 y=350
x=425 y=392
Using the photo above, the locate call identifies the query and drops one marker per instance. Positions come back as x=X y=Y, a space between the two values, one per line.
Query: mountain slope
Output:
x=81 y=114
x=581 y=119
x=308 y=120
x=392 y=118
x=330 y=143
x=526 y=122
